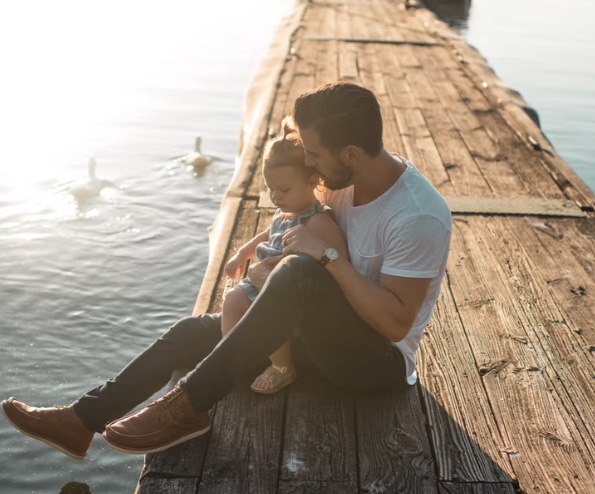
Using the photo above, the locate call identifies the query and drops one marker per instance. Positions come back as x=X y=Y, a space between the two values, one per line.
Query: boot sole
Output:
x=156 y=449
x=45 y=440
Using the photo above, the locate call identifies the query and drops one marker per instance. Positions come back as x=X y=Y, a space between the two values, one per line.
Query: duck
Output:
x=196 y=159
x=91 y=187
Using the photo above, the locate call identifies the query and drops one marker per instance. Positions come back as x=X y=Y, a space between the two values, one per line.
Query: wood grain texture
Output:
x=319 y=442
x=514 y=367
x=245 y=444
x=476 y=488
x=155 y=485
x=303 y=487
x=466 y=440
x=393 y=447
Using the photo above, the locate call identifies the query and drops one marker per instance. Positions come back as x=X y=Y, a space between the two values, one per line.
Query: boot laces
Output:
x=170 y=405
x=59 y=412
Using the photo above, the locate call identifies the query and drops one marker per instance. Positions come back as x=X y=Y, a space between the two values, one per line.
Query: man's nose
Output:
x=310 y=162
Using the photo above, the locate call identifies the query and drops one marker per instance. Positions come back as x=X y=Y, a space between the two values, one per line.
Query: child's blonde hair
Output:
x=286 y=150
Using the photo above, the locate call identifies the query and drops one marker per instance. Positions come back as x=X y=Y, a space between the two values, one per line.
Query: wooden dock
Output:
x=506 y=398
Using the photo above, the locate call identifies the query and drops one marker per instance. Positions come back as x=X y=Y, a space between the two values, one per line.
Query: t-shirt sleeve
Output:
x=416 y=248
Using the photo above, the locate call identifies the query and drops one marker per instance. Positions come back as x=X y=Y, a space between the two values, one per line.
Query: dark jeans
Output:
x=300 y=297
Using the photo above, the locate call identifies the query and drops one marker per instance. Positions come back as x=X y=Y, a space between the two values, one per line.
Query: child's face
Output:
x=289 y=190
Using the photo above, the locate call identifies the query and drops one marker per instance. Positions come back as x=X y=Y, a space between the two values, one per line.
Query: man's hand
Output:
x=301 y=239
x=258 y=272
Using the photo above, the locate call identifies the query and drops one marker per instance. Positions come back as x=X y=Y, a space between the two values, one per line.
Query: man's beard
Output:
x=340 y=180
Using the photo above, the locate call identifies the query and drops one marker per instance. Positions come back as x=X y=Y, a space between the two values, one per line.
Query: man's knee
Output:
x=189 y=329
x=297 y=275
x=296 y=266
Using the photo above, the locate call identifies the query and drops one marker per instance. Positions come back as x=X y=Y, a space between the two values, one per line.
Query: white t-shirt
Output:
x=405 y=232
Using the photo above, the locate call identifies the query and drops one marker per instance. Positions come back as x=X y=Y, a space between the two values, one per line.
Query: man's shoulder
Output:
x=419 y=197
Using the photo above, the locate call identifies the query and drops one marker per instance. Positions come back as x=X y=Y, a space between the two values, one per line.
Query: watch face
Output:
x=331 y=253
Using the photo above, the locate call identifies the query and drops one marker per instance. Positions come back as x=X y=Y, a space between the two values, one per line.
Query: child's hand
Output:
x=234 y=266
x=259 y=272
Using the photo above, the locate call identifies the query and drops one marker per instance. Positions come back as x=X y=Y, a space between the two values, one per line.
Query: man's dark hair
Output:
x=343 y=114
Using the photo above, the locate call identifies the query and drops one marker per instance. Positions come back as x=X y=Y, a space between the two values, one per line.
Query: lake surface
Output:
x=84 y=287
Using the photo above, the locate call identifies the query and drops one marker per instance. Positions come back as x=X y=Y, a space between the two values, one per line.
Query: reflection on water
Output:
x=90 y=277
x=75 y=488
x=454 y=12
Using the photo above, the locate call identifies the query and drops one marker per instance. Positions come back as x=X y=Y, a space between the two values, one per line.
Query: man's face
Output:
x=335 y=172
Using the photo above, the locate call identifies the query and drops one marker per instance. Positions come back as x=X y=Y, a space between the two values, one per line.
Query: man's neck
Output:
x=376 y=176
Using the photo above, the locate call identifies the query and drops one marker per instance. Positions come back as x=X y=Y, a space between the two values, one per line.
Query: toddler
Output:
x=291 y=186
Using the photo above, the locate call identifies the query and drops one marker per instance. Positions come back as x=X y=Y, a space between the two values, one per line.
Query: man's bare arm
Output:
x=390 y=307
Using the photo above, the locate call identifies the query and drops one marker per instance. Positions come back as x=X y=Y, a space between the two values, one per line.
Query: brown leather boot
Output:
x=168 y=421
x=59 y=427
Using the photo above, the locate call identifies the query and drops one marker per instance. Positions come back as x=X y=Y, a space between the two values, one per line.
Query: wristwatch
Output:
x=329 y=255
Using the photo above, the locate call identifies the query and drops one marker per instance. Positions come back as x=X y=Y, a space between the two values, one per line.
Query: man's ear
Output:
x=351 y=153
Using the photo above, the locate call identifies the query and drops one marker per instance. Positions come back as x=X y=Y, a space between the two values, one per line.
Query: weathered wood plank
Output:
x=303 y=487
x=371 y=74
x=532 y=418
x=425 y=94
x=459 y=93
x=171 y=485
x=555 y=316
x=466 y=177
x=183 y=460
x=476 y=488
x=245 y=444
x=348 y=63
x=467 y=444
x=393 y=447
x=421 y=149
x=319 y=440
x=327 y=61
x=578 y=236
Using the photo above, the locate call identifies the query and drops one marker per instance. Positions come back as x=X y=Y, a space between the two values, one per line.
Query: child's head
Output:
x=290 y=182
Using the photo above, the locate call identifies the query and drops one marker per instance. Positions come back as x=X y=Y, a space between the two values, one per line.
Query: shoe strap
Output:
x=280 y=368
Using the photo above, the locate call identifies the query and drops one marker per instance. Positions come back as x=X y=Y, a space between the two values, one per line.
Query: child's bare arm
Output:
x=245 y=252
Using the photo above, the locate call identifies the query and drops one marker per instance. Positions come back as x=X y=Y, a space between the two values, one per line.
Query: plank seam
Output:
x=491 y=206
x=373 y=41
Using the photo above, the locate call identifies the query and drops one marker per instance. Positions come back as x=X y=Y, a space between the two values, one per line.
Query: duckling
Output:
x=196 y=159
x=90 y=188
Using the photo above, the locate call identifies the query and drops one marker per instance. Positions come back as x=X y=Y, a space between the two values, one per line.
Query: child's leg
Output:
x=278 y=375
x=282 y=357
x=235 y=305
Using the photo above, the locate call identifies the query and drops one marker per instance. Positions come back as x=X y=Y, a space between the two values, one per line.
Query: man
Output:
x=360 y=321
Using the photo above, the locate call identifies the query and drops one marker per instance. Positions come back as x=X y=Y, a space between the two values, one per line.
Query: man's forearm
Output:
x=376 y=305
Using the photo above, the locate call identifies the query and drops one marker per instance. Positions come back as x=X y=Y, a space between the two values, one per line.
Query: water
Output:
x=84 y=288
